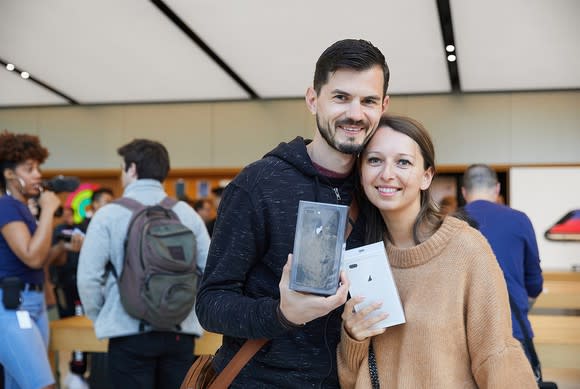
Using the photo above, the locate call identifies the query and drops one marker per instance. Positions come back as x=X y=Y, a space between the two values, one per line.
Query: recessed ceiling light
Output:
x=451 y=58
x=24 y=75
x=10 y=66
x=450 y=48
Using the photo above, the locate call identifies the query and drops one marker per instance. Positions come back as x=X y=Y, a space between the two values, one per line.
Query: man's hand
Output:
x=300 y=308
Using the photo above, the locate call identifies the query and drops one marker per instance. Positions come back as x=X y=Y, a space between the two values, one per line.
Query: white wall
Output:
x=495 y=128
x=546 y=194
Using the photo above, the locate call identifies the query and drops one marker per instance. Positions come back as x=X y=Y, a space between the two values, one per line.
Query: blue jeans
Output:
x=23 y=352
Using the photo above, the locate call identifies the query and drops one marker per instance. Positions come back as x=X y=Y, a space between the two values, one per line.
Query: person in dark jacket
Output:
x=244 y=293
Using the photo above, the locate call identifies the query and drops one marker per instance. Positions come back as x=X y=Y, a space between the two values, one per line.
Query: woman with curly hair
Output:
x=25 y=247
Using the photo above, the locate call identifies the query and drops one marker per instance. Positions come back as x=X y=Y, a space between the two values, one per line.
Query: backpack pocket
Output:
x=173 y=242
x=169 y=298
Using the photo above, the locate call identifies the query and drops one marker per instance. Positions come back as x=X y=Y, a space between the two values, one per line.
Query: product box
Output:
x=370 y=275
x=319 y=244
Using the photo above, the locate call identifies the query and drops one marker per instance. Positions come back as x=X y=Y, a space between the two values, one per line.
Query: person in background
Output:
x=511 y=236
x=138 y=356
x=457 y=333
x=100 y=197
x=217 y=198
x=25 y=248
x=448 y=205
x=64 y=277
x=245 y=290
x=204 y=208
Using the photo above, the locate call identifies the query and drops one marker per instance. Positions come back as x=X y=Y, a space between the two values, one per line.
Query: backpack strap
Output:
x=134 y=206
x=129 y=203
x=168 y=203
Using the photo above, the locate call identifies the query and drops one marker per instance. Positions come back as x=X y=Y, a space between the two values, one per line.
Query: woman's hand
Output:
x=49 y=202
x=359 y=324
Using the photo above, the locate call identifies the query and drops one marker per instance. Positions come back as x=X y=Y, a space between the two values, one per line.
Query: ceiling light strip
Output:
x=202 y=45
x=25 y=75
x=449 y=47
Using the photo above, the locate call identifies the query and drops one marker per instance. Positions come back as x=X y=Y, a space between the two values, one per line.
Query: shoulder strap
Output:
x=233 y=368
x=352 y=216
x=373 y=368
x=168 y=202
x=129 y=203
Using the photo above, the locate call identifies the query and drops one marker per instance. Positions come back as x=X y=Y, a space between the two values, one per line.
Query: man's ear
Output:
x=132 y=171
x=311 y=100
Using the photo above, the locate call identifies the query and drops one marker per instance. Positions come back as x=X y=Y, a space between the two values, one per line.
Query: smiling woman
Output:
x=452 y=289
x=25 y=247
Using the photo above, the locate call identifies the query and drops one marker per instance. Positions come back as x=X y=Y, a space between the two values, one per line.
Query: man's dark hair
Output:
x=150 y=158
x=479 y=176
x=100 y=192
x=355 y=54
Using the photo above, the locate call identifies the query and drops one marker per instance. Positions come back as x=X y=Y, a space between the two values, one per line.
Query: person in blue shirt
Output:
x=25 y=247
x=511 y=236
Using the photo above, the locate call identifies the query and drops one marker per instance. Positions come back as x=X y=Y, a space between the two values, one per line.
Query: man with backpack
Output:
x=141 y=260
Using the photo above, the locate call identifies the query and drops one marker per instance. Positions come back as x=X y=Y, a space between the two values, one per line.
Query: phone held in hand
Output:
x=319 y=244
x=370 y=276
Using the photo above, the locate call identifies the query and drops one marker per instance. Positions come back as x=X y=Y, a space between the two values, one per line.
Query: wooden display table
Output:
x=561 y=276
x=557 y=340
x=559 y=294
x=77 y=333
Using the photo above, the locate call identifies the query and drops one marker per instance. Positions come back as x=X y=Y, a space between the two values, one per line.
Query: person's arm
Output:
x=532 y=271
x=93 y=260
x=356 y=334
x=236 y=246
x=497 y=359
x=33 y=250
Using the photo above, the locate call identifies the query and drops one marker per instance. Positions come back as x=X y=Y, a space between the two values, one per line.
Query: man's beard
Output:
x=346 y=148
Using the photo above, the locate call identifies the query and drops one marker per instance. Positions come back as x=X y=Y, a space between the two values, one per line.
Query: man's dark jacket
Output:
x=253 y=236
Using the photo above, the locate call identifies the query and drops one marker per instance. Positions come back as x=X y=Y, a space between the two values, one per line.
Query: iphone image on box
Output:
x=318 y=247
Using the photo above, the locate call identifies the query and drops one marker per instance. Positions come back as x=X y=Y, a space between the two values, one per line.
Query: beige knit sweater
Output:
x=458 y=332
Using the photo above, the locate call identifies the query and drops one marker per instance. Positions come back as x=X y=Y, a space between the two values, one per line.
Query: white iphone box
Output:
x=370 y=276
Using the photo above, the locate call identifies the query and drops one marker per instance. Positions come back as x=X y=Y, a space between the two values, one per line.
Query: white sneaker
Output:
x=75 y=381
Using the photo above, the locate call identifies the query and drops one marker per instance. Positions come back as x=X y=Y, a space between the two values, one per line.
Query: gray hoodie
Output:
x=104 y=242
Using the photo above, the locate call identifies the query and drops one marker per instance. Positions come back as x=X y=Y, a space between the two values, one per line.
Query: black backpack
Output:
x=160 y=275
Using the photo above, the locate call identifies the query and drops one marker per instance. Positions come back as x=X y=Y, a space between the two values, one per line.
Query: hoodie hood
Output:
x=295 y=154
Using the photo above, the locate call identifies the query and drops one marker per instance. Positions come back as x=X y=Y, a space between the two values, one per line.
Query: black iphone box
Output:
x=319 y=244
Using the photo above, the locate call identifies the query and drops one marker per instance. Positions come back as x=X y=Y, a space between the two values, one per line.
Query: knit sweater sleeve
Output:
x=497 y=359
x=353 y=356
